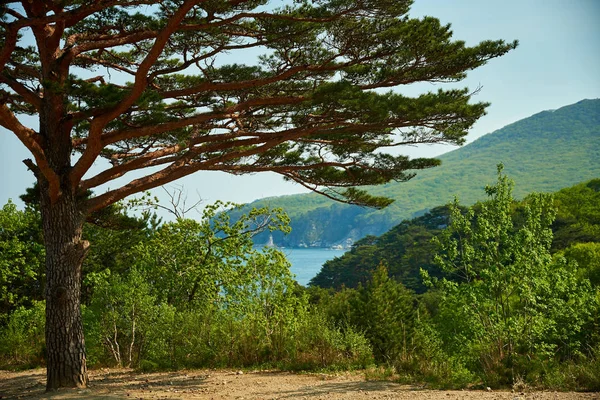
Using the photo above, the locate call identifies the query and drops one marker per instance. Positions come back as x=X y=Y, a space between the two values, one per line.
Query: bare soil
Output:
x=205 y=384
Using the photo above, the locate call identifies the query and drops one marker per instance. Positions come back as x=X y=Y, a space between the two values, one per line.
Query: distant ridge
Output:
x=545 y=152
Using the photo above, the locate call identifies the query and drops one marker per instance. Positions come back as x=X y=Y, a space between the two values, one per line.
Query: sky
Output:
x=556 y=64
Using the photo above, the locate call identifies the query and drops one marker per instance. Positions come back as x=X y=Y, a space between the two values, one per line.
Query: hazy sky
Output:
x=556 y=64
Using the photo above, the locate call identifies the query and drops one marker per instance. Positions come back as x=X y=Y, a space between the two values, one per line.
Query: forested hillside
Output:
x=545 y=152
x=408 y=247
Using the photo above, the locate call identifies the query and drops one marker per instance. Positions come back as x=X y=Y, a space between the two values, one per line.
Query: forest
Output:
x=499 y=294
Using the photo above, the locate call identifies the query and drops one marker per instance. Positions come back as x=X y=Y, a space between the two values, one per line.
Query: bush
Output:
x=514 y=307
x=580 y=375
x=22 y=340
x=428 y=361
x=122 y=317
x=323 y=345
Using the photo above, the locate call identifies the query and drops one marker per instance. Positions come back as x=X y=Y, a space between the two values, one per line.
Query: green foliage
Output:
x=397 y=325
x=192 y=262
x=512 y=302
x=21 y=259
x=587 y=257
x=405 y=249
x=114 y=237
x=578 y=218
x=325 y=345
x=198 y=294
x=22 y=342
x=581 y=375
x=431 y=362
x=182 y=294
x=500 y=288
x=384 y=311
x=125 y=315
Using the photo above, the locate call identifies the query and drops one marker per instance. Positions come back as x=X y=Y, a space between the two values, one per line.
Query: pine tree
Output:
x=151 y=87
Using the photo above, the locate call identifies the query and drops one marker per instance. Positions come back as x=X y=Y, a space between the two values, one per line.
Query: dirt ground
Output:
x=204 y=384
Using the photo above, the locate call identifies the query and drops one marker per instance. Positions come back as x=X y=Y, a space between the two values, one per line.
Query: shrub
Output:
x=22 y=340
x=323 y=345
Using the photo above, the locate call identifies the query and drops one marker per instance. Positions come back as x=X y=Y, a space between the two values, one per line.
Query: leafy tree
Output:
x=587 y=257
x=197 y=262
x=384 y=311
x=309 y=109
x=578 y=219
x=124 y=310
x=513 y=302
x=382 y=308
x=21 y=259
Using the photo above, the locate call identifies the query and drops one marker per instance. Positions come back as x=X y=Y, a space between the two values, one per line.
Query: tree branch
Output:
x=22 y=91
x=31 y=141
x=111 y=41
x=216 y=143
x=141 y=76
x=10 y=43
x=95 y=145
x=312 y=188
x=106 y=63
x=74 y=16
x=122 y=169
x=183 y=167
x=113 y=137
x=223 y=142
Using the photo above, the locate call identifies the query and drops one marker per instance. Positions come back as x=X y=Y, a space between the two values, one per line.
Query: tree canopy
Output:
x=160 y=84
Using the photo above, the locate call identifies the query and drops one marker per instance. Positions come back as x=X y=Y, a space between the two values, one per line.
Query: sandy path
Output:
x=203 y=384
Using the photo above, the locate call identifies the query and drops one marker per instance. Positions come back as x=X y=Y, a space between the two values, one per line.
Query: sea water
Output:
x=306 y=263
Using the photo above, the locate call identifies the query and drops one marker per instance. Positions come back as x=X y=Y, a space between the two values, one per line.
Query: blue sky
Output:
x=556 y=64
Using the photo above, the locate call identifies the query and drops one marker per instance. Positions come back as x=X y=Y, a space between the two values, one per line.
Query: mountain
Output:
x=544 y=153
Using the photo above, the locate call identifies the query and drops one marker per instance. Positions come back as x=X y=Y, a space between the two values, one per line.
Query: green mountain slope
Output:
x=545 y=152
x=407 y=248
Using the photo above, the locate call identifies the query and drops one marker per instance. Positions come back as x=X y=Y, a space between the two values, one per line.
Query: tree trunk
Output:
x=65 y=251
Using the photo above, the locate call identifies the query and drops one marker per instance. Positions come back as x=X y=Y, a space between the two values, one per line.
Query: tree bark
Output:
x=65 y=251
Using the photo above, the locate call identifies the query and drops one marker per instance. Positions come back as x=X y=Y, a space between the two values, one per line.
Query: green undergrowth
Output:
x=510 y=309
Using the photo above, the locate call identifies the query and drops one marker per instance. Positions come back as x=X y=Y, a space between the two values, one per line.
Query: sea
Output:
x=306 y=263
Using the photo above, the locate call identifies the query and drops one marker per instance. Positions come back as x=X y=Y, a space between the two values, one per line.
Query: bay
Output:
x=306 y=263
